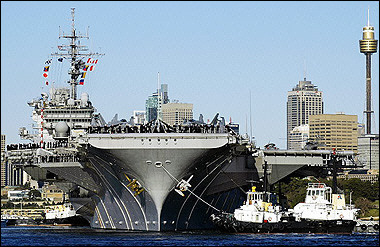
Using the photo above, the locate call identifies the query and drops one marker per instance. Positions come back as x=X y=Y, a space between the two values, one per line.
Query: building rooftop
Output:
x=305 y=86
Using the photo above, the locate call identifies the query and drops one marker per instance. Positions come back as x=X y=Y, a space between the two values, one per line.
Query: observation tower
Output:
x=368 y=46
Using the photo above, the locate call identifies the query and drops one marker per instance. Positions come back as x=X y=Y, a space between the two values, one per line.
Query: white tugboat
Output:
x=64 y=214
x=321 y=204
x=322 y=212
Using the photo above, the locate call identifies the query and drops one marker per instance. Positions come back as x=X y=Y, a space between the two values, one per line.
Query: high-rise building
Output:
x=176 y=113
x=154 y=103
x=139 y=117
x=299 y=137
x=151 y=105
x=11 y=175
x=3 y=162
x=304 y=100
x=15 y=175
x=337 y=131
x=368 y=151
x=164 y=93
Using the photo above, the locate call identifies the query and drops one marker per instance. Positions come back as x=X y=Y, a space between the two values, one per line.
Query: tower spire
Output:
x=368 y=46
x=368 y=17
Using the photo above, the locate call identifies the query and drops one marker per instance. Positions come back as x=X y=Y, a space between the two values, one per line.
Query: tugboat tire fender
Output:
x=241 y=228
x=376 y=226
x=281 y=227
x=363 y=227
x=270 y=228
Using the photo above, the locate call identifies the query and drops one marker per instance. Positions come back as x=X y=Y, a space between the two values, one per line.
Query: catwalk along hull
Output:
x=137 y=175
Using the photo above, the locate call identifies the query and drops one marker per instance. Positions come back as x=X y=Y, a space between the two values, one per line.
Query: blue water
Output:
x=79 y=236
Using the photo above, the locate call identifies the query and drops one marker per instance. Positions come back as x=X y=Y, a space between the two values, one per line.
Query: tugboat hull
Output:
x=21 y=222
x=227 y=223
x=72 y=221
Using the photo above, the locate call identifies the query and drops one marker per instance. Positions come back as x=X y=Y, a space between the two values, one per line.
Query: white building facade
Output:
x=304 y=100
x=298 y=137
x=368 y=151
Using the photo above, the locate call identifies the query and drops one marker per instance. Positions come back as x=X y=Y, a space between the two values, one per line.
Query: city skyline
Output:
x=211 y=54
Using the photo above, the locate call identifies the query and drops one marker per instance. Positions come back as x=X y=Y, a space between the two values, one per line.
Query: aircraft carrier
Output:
x=145 y=177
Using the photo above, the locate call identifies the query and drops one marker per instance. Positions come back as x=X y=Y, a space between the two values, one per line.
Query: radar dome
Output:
x=84 y=99
x=71 y=102
x=61 y=129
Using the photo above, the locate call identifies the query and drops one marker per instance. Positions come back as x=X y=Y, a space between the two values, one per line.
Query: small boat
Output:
x=64 y=214
x=18 y=220
x=57 y=215
x=322 y=212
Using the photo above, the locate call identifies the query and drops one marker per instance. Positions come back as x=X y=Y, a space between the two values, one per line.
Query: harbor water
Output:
x=84 y=236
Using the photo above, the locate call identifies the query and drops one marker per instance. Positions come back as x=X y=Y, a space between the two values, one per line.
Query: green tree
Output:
x=375 y=191
x=360 y=188
x=364 y=204
x=294 y=190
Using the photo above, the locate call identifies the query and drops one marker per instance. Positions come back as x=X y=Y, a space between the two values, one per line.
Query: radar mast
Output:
x=75 y=53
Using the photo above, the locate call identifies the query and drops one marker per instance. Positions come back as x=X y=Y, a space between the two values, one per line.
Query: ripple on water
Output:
x=59 y=236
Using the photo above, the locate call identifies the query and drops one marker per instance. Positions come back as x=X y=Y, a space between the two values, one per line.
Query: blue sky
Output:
x=211 y=54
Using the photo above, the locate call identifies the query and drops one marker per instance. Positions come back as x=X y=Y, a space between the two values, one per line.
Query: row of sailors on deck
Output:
x=20 y=146
x=58 y=158
x=148 y=129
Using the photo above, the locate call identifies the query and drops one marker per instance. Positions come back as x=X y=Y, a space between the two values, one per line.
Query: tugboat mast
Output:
x=73 y=52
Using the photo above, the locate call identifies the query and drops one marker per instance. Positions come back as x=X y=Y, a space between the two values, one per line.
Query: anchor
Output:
x=183 y=185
